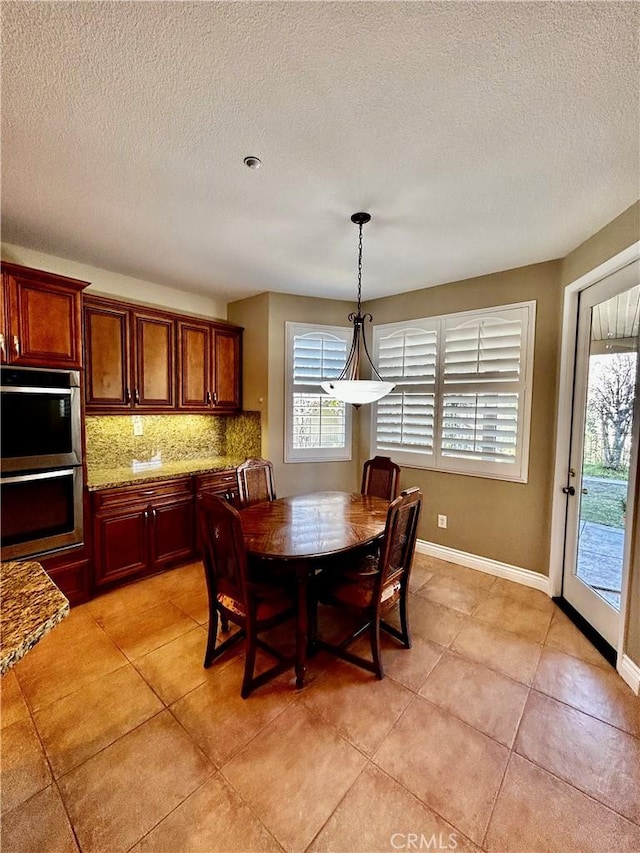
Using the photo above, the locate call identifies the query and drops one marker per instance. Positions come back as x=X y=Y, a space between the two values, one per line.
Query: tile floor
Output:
x=502 y=729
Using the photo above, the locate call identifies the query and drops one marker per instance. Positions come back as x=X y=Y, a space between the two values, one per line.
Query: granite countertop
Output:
x=31 y=606
x=105 y=478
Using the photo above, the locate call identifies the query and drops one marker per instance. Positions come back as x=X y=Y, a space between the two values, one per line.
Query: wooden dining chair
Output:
x=255 y=481
x=255 y=607
x=374 y=585
x=380 y=477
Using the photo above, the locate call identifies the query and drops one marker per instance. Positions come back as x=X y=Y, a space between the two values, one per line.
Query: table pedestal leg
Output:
x=301 y=626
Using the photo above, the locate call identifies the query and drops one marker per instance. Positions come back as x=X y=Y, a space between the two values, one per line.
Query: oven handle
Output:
x=46 y=475
x=29 y=389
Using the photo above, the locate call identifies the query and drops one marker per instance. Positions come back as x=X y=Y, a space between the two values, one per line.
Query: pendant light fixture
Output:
x=348 y=387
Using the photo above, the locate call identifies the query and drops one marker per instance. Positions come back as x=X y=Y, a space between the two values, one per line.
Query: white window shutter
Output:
x=318 y=427
x=463 y=391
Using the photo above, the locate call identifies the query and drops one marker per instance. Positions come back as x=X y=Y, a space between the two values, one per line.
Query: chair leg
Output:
x=404 y=619
x=375 y=647
x=249 y=661
x=211 y=636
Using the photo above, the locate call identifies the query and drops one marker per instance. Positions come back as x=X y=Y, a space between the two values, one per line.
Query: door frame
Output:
x=563 y=428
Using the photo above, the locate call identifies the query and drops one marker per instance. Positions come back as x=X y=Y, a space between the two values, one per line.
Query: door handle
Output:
x=208 y=398
x=3 y=348
x=215 y=398
x=16 y=344
x=585 y=491
x=568 y=490
x=127 y=395
x=136 y=396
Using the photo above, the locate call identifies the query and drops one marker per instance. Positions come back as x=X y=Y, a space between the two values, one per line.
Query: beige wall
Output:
x=509 y=522
x=266 y=355
x=253 y=315
x=604 y=244
x=297 y=477
x=106 y=283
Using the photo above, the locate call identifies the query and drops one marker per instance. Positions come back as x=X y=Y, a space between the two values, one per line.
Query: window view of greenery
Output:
x=608 y=438
x=318 y=421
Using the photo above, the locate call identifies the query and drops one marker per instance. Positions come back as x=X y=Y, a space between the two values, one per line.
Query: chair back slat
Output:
x=255 y=481
x=380 y=477
x=223 y=550
x=399 y=542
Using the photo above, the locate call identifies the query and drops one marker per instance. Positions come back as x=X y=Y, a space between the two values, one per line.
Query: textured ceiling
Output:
x=480 y=136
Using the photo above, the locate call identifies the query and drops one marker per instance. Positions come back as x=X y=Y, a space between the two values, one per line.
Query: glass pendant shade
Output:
x=358 y=391
x=348 y=387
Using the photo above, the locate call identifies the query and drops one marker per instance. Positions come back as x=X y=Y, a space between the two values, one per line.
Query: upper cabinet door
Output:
x=106 y=342
x=195 y=387
x=227 y=369
x=153 y=341
x=43 y=318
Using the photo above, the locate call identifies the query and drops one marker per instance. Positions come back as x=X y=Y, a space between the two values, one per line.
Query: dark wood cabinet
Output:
x=209 y=367
x=227 y=369
x=172 y=532
x=41 y=318
x=221 y=483
x=129 y=357
x=224 y=484
x=139 y=530
x=195 y=380
x=107 y=362
x=153 y=365
x=69 y=570
x=157 y=361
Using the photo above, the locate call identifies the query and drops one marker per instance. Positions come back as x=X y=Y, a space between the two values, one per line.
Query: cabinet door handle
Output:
x=16 y=344
x=208 y=398
x=146 y=515
x=136 y=396
x=215 y=398
x=127 y=395
x=154 y=512
x=3 y=347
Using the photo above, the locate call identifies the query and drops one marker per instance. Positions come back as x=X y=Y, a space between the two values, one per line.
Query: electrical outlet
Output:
x=442 y=521
x=138 y=429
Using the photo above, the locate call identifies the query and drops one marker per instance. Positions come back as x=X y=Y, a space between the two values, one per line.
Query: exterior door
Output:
x=600 y=476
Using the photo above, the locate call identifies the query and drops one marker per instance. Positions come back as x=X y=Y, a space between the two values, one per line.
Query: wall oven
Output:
x=41 y=450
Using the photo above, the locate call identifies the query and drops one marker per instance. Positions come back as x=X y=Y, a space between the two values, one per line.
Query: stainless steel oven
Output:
x=41 y=454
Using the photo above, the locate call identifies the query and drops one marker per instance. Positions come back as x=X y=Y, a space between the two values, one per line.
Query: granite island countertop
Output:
x=31 y=606
x=106 y=478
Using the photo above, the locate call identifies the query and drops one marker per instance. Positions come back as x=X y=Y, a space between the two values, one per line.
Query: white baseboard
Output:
x=630 y=672
x=484 y=564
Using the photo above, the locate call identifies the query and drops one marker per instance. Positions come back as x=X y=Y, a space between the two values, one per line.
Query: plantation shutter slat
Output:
x=460 y=399
x=319 y=421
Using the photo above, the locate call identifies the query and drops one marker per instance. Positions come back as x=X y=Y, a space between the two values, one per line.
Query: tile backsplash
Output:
x=112 y=442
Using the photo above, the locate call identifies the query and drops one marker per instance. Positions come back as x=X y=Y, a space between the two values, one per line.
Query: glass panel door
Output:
x=599 y=468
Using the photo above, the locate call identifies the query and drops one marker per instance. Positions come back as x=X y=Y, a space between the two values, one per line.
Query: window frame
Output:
x=436 y=460
x=313 y=454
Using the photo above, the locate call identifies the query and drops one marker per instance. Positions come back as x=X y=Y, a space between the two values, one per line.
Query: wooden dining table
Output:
x=301 y=532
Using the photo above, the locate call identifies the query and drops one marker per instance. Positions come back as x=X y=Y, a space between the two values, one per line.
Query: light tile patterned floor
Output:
x=502 y=729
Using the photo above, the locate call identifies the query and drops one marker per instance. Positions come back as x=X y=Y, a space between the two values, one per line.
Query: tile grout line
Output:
x=54 y=782
x=560 y=778
x=495 y=800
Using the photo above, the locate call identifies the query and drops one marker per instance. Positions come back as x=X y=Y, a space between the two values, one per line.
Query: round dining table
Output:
x=302 y=531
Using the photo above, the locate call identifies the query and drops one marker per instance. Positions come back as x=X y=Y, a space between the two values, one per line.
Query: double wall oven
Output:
x=41 y=450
